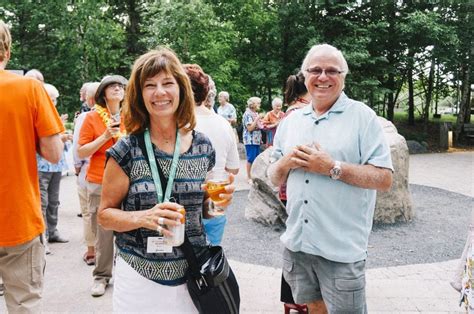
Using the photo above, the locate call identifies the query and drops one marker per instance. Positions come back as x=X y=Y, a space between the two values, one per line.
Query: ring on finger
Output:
x=159 y=228
x=161 y=221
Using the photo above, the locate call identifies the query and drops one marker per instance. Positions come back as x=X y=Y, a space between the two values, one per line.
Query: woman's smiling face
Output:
x=161 y=95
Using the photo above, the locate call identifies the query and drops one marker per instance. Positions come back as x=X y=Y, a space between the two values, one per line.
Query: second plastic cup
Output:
x=216 y=183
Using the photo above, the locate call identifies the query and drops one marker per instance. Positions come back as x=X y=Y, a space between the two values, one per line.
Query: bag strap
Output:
x=141 y=144
x=188 y=251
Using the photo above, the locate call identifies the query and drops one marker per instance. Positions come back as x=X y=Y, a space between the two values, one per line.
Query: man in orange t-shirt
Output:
x=29 y=123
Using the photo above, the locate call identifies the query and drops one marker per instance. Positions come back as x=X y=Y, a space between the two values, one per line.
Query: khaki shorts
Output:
x=313 y=278
x=94 y=191
x=22 y=270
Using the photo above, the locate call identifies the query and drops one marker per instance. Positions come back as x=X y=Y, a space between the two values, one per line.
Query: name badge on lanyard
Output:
x=157 y=245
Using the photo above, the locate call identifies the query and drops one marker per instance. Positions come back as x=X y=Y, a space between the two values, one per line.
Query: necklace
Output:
x=168 y=140
x=105 y=116
x=160 y=136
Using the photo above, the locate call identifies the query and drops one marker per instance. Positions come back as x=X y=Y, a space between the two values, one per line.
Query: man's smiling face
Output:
x=326 y=87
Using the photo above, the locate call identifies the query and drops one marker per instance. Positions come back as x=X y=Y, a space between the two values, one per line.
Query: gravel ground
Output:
x=436 y=234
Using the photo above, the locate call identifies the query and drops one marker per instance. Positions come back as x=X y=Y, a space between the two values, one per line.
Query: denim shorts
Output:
x=313 y=278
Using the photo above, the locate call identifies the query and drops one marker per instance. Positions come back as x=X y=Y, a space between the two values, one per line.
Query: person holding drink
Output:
x=222 y=138
x=101 y=129
x=251 y=134
x=150 y=272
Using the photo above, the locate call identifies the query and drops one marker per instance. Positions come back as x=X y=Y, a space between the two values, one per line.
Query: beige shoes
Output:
x=98 y=288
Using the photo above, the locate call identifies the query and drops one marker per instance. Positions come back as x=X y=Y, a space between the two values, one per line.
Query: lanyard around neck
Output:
x=154 y=167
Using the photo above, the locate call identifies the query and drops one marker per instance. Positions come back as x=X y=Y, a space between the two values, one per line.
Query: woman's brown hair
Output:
x=136 y=116
x=199 y=82
x=294 y=88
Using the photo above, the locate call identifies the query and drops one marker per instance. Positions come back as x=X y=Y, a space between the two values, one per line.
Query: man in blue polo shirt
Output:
x=334 y=157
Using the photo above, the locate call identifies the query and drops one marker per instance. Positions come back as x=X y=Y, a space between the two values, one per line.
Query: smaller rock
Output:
x=416 y=148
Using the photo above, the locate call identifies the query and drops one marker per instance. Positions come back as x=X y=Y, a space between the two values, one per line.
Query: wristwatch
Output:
x=336 y=171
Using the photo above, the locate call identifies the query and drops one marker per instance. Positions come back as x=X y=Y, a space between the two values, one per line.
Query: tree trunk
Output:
x=429 y=94
x=411 y=100
x=437 y=90
x=464 y=114
x=134 y=47
x=467 y=106
x=390 y=98
x=284 y=52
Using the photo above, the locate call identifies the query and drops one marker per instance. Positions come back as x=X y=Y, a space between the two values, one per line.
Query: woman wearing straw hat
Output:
x=101 y=129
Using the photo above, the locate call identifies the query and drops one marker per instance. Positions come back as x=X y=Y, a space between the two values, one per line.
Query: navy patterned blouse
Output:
x=164 y=268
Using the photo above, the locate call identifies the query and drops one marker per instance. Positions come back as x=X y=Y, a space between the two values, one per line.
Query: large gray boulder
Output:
x=265 y=207
x=395 y=205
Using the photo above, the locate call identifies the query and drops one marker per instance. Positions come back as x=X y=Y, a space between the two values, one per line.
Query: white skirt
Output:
x=134 y=293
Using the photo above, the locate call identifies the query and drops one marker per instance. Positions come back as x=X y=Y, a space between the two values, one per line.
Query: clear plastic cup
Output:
x=216 y=183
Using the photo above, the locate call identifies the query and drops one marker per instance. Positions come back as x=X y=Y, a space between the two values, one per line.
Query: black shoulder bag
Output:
x=210 y=280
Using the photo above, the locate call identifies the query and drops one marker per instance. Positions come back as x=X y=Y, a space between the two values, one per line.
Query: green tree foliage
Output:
x=422 y=49
x=70 y=43
x=131 y=13
x=197 y=35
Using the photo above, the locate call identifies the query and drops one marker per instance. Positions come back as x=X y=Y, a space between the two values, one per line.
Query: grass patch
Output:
x=403 y=117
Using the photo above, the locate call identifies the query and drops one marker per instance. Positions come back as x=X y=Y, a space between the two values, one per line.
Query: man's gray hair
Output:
x=91 y=89
x=210 y=99
x=84 y=86
x=328 y=49
x=36 y=74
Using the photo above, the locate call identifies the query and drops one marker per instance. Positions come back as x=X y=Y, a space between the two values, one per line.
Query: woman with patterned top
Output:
x=251 y=134
x=150 y=276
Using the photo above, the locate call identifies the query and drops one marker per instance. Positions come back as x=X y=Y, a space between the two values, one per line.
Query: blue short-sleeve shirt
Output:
x=327 y=217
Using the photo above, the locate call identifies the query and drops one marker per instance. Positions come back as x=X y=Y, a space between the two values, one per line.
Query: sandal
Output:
x=89 y=259
x=300 y=308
